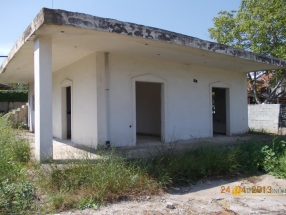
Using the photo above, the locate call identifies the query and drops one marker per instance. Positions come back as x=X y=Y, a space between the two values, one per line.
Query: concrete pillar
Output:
x=101 y=98
x=43 y=98
x=31 y=110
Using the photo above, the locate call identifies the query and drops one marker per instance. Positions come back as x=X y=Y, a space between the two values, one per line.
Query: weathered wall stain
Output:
x=117 y=28
x=148 y=34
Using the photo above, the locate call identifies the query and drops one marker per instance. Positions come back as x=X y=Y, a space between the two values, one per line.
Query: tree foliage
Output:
x=258 y=26
x=19 y=86
x=13 y=96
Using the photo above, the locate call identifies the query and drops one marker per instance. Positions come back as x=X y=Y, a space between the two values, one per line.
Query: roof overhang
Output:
x=76 y=35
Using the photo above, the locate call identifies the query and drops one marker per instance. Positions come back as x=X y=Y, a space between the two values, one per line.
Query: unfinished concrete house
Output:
x=102 y=81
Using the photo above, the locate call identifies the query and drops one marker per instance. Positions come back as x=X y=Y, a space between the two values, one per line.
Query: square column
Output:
x=31 y=110
x=43 y=99
x=102 y=110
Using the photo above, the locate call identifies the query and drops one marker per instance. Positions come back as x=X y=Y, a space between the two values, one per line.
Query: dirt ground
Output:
x=206 y=197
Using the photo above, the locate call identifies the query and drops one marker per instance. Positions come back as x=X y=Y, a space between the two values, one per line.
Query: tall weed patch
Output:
x=14 y=153
x=193 y=165
x=210 y=161
x=15 y=193
x=86 y=183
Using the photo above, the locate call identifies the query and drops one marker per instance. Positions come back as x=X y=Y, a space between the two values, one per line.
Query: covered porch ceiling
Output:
x=76 y=35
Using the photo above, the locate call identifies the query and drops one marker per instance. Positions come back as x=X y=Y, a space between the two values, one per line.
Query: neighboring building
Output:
x=264 y=89
x=5 y=87
x=101 y=81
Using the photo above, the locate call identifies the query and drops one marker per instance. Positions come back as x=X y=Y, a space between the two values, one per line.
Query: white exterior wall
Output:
x=264 y=116
x=82 y=75
x=188 y=103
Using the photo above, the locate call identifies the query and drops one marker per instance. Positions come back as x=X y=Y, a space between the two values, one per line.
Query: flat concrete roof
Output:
x=76 y=35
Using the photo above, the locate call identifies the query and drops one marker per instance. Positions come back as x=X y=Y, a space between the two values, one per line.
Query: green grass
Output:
x=193 y=165
x=85 y=183
x=211 y=161
x=14 y=153
x=30 y=187
x=16 y=194
x=257 y=131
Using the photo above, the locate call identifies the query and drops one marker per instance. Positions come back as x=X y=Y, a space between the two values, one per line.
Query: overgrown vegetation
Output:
x=16 y=193
x=274 y=158
x=13 y=95
x=87 y=183
x=212 y=161
x=29 y=187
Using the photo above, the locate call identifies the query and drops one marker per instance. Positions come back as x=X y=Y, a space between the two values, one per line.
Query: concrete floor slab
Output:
x=146 y=146
x=66 y=150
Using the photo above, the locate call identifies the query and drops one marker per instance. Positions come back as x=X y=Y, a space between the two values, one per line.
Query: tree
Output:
x=19 y=86
x=258 y=26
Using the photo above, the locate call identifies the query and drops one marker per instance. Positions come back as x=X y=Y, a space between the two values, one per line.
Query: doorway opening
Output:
x=68 y=112
x=148 y=112
x=219 y=109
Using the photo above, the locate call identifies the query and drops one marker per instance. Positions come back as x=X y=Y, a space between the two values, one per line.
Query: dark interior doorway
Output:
x=68 y=103
x=219 y=110
x=148 y=109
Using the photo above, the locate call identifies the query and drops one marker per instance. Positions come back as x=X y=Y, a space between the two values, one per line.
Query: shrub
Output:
x=274 y=156
x=281 y=173
x=13 y=95
x=16 y=198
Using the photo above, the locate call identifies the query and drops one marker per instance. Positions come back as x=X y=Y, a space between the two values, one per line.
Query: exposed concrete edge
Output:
x=62 y=17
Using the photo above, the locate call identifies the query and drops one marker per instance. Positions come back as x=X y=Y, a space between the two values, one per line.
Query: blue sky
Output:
x=190 y=17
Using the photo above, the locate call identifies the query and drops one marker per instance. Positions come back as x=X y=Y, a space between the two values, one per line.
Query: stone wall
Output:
x=264 y=116
x=6 y=107
x=18 y=116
